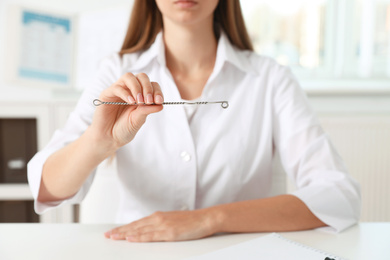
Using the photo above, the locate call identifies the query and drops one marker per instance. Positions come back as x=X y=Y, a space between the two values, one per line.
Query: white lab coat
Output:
x=221 y=155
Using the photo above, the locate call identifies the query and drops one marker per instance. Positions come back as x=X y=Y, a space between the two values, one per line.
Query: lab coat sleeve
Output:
x=78 y=121
x=310 y=159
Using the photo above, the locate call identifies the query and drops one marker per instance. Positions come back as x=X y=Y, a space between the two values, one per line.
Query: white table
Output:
x=80 y=241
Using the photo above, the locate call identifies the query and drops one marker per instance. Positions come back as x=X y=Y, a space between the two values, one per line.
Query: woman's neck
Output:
x=191 y=48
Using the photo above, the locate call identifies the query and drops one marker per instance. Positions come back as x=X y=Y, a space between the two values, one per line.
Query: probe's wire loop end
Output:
x=224 y=104
x=97 y=102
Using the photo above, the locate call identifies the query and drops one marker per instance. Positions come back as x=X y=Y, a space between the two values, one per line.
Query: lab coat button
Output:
x=185 y=156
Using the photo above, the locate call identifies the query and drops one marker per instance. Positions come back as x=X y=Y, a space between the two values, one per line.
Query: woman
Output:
x=189 y=172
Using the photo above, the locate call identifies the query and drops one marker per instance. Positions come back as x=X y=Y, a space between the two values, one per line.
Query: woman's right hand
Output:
x=114 y=126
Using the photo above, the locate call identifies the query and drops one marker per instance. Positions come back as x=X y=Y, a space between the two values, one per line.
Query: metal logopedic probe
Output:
x=224 y=104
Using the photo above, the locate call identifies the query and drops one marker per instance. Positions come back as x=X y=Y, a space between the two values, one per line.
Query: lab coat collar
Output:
x=226 y=53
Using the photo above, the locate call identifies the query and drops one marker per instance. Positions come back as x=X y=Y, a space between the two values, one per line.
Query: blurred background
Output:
x=325 y=41
x=50 y=50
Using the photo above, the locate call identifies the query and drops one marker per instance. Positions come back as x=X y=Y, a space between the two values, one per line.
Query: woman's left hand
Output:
x=168 y=226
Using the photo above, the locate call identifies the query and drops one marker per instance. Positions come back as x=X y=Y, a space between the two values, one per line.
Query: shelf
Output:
x=12 y=191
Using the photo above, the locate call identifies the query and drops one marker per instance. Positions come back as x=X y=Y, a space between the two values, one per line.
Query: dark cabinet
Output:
x=17 y=212
x=18 y=144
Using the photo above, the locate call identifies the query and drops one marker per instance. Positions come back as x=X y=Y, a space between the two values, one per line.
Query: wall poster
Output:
x=41 y=48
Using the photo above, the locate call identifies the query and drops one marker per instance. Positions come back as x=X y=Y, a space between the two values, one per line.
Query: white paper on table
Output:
x=269 y=247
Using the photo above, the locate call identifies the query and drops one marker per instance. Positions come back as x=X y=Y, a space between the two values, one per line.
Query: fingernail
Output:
x=131 y=99
x=115 y=236
x=149 y=99
x=159 y=99
x=107 y=234
x=140 y=99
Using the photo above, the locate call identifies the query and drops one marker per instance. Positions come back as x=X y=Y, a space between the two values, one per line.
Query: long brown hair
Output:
x=146 y=22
